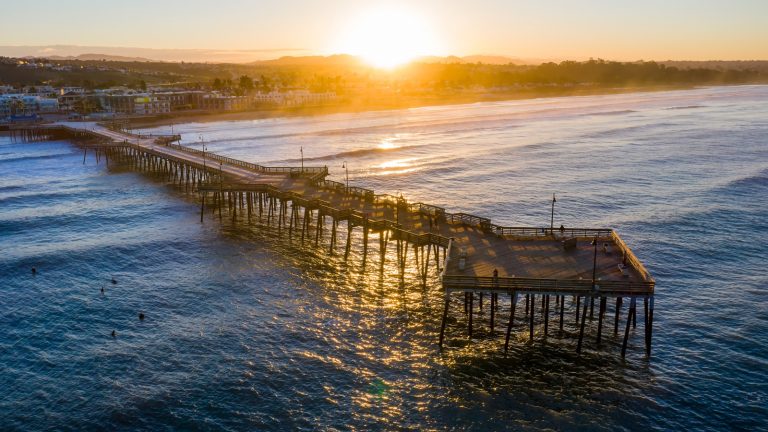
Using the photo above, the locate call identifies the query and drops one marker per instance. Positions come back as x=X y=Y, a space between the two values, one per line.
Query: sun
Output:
x=387 y=38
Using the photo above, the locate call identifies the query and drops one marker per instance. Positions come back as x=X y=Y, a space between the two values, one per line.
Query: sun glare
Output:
x=387 y=38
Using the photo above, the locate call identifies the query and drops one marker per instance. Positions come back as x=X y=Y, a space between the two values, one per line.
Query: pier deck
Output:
x=577 y=262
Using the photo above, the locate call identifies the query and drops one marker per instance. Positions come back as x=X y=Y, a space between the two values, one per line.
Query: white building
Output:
x=271 y=98
x=305 y=97
x=42 y=90
x=72 y=90
x=21 y=104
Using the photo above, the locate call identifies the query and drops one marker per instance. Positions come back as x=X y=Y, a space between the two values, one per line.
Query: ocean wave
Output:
x=356 y=153
x=194 y=144
x=607 y=113
x=759 y=179
x=685 y=107
x=32 y=157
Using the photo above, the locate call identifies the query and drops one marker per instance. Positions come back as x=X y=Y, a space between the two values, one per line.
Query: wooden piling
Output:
x=546 y=315
x=533 y=302
x=513 y=300
x=649 y=327
x=445 y=318
x=630 y=316
x=600 y=316
x=471 y=301
x=581 y=329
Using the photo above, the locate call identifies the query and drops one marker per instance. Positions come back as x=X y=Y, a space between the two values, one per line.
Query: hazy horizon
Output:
x=255 y=55
x=390 y=33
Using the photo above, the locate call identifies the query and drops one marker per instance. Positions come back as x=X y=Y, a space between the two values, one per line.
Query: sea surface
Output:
x=245 y=330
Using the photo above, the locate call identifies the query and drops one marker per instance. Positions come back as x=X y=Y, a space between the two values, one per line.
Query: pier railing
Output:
x=312 y=172
x=468 y=219
x=427 y=209
x=489 y=283
x=445 y=260
x=631 y=258
x=533 y=232
x=317 y=175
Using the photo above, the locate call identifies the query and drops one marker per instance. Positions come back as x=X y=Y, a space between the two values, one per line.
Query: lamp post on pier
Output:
x=346 y=169
x=594 y=263
x=202 y=141
x=552 y=218
x=301 y=149
x=221 y=179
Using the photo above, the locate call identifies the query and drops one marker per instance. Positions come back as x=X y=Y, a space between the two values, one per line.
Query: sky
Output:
x=543 y=29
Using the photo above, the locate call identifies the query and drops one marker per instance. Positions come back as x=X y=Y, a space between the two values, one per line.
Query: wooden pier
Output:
x=474 y=258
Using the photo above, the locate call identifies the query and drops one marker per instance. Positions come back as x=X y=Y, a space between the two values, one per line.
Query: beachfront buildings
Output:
x=150 y=105
x=25 y=105
x=123 y=101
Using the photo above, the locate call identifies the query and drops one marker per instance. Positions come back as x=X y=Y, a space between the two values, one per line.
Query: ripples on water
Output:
x=245 y=330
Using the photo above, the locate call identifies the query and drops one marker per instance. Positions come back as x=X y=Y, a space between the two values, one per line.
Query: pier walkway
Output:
x=472 y=255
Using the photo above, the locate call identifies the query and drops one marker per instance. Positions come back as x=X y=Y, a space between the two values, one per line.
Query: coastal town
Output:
x=33 y=102
x=105 y=88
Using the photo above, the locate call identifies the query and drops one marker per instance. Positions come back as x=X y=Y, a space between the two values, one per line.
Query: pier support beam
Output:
x=649 y=326
x=202 y=205
x=445 y=318
x=630 y=316
x=532 y=303
x=349 y=240
x=494 y=299
x=578 y=307
x=333 y=237
x=471 y=302
x=581 y=330
x=601 y=314
x=512 y=307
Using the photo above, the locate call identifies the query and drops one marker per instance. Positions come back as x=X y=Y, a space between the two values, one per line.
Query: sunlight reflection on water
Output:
x=246 y=329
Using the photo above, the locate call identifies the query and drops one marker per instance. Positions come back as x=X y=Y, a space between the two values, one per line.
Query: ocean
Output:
x=245 y=330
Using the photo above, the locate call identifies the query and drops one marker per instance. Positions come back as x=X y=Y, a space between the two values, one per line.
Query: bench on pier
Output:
x=624 y=270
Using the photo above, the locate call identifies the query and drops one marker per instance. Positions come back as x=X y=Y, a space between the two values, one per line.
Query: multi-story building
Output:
x=21 y=104
x=274 y=97
x=40 y=90
x=147 y=105
x=305 y=97
x=119 y=104
x=182 y=100
x=217 y=102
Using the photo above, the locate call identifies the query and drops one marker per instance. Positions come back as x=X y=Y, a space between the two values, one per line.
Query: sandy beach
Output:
x=388 y=102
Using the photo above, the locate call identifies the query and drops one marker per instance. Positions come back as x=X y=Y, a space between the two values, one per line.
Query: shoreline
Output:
x=362 y=104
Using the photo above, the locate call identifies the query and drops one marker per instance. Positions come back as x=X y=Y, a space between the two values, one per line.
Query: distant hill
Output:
x=485 y=59
x=350 y=60
x=99 y=57
x=75 y=52
x=332 y=60
x=755 y=65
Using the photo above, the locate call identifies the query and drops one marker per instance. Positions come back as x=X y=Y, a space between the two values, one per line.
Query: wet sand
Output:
x=375 y=102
